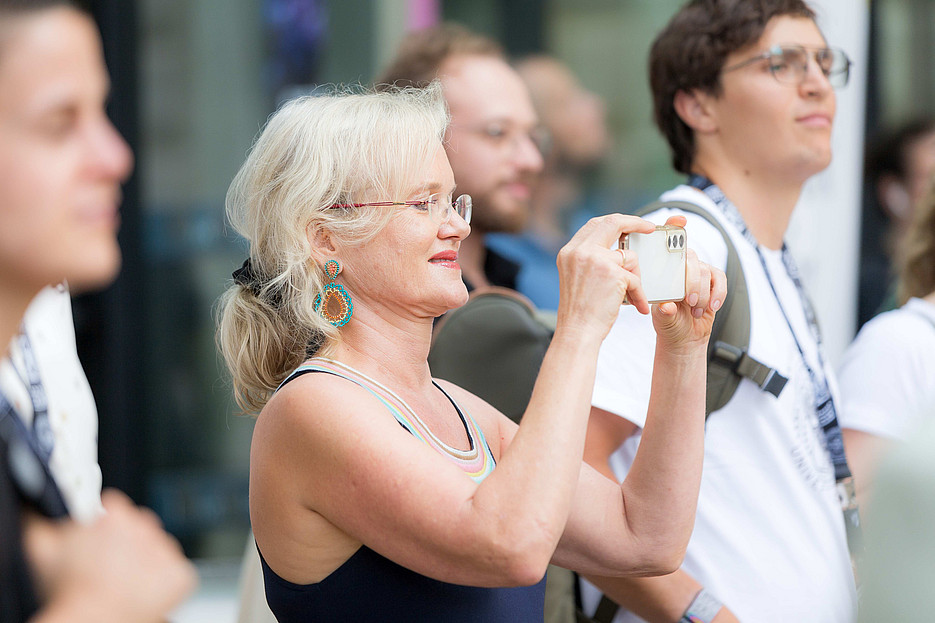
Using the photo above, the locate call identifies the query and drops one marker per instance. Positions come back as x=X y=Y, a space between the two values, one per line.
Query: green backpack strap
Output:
x=728 y=356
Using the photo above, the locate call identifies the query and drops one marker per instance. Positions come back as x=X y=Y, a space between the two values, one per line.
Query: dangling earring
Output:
x=334 y=294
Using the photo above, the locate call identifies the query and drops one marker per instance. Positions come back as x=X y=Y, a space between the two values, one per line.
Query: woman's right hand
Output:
x=687 y=324
x=596 y=277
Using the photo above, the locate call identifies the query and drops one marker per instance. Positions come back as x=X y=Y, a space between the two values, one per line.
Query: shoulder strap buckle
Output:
x=737 y=360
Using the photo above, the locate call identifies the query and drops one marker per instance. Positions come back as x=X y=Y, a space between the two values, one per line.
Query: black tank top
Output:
x=370 y=587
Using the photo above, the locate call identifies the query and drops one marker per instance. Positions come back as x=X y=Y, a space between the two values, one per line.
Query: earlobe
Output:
x=693 y=109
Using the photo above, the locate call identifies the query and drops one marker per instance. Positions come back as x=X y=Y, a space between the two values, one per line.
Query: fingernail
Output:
x=697 y=312
x=716 y=305
x=693 y=298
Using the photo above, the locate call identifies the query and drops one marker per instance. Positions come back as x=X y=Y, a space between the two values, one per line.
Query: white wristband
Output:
x=703 y=608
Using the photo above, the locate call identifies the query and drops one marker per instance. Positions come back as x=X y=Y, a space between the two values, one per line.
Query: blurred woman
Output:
x=887 y=375
x=61 y=166
x=378 y=492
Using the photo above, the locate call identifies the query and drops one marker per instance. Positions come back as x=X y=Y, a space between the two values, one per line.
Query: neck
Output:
x=471 y=257
x=13 y=304
x=389 y=348
x=765 y=202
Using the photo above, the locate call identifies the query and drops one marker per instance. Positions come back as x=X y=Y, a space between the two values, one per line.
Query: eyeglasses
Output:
x=789 y=64
x=439 y=207
x=504 y=135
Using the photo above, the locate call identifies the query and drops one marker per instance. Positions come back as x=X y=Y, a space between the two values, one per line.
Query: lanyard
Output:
x=824 y=403
x=41 y=428
x=29 y=449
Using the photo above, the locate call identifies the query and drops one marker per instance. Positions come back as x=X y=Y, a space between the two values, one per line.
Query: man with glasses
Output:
x=744 y=93
x=494 y=141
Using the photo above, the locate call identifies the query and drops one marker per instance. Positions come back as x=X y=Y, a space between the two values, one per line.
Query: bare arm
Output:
x=658 y=498
x=606 y=432
x=643 y=526
x=864 y=452
x=661 y=599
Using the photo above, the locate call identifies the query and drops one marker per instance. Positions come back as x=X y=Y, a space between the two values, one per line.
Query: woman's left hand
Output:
x=688 y=323
x=596 y=276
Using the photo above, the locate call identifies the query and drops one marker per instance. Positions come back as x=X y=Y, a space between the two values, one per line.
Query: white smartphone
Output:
x=661 y=257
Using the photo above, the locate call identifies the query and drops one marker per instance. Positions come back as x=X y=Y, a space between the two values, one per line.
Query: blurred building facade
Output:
x=193 y=82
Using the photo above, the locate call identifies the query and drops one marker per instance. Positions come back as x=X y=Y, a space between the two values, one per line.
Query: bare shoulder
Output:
x=318 y=431
x=301 y=401
x=305 y=443
x=312 y=405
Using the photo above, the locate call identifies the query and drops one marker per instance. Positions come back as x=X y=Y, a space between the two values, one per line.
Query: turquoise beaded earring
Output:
x=334 y=294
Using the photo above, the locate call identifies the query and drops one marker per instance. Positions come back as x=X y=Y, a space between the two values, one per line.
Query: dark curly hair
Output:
x=690 y=52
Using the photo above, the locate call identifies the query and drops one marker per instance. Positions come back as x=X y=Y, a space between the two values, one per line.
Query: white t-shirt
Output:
x=72 y=412
x=887 y=376
x=769 y=538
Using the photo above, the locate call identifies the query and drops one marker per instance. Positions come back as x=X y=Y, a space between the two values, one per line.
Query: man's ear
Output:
x=694 y=109
x=321 y=243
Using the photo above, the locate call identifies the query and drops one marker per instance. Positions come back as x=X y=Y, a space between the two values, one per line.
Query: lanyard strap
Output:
x=29 y=448
x=28 y=469
x=824 y=402
x=41 y=428
x=792 y=270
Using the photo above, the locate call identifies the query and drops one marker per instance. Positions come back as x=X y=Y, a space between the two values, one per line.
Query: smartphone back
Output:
x=662 y=262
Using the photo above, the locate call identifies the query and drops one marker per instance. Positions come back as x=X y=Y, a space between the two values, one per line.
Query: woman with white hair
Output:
x=378 y=492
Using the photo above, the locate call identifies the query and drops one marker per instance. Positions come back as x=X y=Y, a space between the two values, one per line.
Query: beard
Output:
x=490 y=218
x=497 y=212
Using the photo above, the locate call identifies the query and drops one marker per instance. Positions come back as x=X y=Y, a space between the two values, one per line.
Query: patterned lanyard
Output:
x=824 y=403
x=29 y=449
x=41 y=428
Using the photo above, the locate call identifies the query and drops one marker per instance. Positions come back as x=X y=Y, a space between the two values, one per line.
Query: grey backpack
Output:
x=493 y=346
